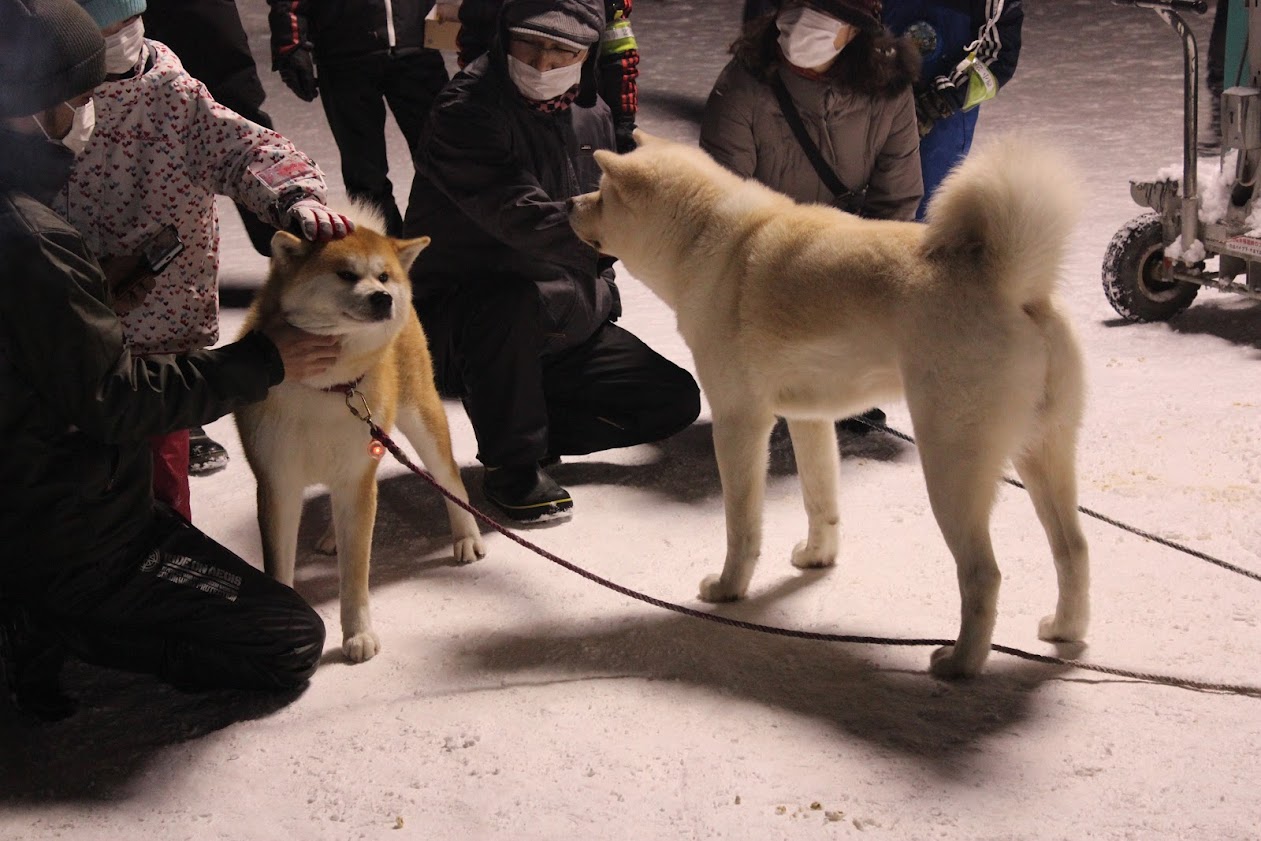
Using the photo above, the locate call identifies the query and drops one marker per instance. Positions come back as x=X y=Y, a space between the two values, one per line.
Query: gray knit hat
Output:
x=558 y=24
x=50 y=51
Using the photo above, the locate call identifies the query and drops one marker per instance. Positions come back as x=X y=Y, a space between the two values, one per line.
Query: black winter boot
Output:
x=205 y=456
x=526 y=494
x=864 y=423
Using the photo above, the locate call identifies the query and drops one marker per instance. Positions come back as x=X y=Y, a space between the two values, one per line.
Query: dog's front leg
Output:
x=354 y=515
x=819 y=468
x=426 y=428
x=279 y=515
x=740 y=442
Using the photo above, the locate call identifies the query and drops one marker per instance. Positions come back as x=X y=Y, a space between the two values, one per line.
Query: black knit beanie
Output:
x=50 y=51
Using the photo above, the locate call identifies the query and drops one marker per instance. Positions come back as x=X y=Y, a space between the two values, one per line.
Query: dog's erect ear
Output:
x=643 y=138
x=286 y=248
x=610 y=163
x=409 y=249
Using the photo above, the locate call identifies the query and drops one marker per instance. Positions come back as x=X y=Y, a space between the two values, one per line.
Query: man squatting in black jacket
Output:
x=518 y=310
x=366 y=51
x=617 y=64
x=90 y=563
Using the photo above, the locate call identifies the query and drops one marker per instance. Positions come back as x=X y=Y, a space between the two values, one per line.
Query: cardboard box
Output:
x=441 y=27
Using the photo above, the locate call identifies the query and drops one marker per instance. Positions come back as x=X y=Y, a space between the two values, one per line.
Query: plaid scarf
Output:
x=558 y=103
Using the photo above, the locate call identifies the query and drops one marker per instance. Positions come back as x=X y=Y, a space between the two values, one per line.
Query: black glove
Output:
x=936 y=102
x=297 y=70
x=604 y=266
x=623 y=135
x=616 y=311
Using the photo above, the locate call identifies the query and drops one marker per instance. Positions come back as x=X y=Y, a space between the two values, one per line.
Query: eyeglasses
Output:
x=550 y=50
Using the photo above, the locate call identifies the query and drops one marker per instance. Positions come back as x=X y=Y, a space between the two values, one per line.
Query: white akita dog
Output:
x=812 y=314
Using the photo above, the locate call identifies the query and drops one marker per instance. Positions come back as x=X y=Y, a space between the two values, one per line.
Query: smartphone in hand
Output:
x=161 y=248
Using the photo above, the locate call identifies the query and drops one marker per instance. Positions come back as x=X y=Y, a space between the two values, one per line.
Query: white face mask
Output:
x=545 y=84
x=808 y=37
x=122 y=49
x=76 y=140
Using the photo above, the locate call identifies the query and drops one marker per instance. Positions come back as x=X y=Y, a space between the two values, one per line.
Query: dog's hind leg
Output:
x=740 y=444
x=962 y=463
x=279 y=515
x=1047 y=464
x=1049 y=473
x=819 y=469
x=426 y=427
x=354 y=515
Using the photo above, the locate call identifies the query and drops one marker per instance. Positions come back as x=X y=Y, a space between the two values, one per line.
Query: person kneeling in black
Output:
x=519 y=311
x=91 y=565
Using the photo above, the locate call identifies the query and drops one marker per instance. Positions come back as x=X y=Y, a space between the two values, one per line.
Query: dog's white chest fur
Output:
x=313 y=434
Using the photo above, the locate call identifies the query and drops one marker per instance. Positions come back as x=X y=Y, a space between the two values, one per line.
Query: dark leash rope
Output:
x=379 y=435
x=1163 y=541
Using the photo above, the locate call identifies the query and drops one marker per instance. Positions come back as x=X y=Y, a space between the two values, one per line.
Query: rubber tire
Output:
x=1127 y=274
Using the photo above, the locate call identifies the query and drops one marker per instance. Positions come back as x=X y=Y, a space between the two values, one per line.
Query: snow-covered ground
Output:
x=516 y=700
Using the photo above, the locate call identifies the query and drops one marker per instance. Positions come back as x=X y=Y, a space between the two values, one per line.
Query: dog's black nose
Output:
x=569 y=205
x=381 y=303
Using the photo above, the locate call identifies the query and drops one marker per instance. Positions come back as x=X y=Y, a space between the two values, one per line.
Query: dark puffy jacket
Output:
x=492 y=178
x=75 y=406
x=348 y=28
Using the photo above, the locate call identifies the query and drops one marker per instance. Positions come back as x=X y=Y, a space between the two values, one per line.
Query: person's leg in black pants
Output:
x=610 y=391
x=211 y=43
x=186 y=609
x=352 y=92
x=411 y=84
x=486 y=342
x=615 y=391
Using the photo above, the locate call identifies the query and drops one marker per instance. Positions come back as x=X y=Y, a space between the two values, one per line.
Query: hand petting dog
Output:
x=318 y=222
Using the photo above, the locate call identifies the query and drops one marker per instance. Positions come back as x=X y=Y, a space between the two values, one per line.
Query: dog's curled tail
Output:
x=1008 y=211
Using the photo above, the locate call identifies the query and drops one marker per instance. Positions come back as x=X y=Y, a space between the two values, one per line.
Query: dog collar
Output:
x=344 y=388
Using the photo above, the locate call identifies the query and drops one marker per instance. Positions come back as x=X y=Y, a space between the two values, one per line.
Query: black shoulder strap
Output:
x=826 y=174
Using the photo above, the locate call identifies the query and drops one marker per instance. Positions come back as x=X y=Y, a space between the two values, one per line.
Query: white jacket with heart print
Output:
x=161 y=151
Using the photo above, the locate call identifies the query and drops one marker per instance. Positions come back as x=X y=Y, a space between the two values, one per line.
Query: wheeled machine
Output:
x=1156 y=265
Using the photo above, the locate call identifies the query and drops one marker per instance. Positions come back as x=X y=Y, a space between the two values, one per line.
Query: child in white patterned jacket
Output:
x=162 y=150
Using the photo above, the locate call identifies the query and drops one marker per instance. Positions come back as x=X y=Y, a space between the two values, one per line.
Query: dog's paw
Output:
x=1054 y=629
x=361 y=646
x=469 y=549
x=948 y=665
x=713 y=589
x=327 y=544
x=806 y=556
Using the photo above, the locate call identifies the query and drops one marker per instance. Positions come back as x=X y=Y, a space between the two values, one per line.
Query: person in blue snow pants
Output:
x=949 y=92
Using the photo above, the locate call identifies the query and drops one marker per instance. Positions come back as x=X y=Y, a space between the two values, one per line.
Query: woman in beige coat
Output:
x=849 y=80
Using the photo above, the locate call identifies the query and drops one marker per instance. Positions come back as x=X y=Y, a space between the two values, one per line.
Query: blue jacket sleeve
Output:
x=998 y=25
